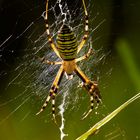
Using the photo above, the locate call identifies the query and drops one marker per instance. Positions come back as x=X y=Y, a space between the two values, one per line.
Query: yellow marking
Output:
x=50 y=39
x=47 y=25
x=48 y=32
x=66 y=42
x=51 y=90
x=53 y=102
x=67 y=49
x=91 y=98
x=85 y=36
x=65 y=35
x=71 y=51
x=45 y=104
x=90 y=90
x=92 y=87
x=56 y=86
x=86 y=27
x=54 y=94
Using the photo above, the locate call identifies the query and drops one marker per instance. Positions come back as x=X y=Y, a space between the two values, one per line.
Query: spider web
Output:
x=28 y=81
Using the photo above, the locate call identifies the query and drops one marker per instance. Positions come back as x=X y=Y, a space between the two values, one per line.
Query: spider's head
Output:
x=65 y=29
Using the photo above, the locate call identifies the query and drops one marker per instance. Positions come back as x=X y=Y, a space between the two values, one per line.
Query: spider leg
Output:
x=91 y=87
x=53 y=92
x=85 y=56
x=53 y=107
x=48 y=32
x=45 y=61
x=86 y=29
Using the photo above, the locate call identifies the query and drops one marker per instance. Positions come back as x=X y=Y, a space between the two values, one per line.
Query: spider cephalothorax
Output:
x=67 y=48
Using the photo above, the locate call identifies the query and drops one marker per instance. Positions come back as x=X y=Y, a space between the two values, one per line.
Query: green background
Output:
x=116 y=65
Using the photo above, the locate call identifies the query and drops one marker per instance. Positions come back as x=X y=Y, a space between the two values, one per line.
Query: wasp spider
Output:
x=67 y=48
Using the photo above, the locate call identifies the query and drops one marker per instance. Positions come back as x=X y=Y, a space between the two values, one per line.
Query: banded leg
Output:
x=91 y=87
x=86 y=29
x=53 y=92
x=85 y=56
x=48 y=32
x=45 y=61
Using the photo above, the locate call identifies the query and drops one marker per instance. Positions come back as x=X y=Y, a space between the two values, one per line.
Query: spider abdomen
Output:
x=66 y=43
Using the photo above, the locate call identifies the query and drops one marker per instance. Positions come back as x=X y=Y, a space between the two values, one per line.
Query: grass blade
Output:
x=98 y=125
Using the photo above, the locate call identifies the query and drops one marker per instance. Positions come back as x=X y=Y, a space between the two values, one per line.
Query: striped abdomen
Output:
x=66 y=43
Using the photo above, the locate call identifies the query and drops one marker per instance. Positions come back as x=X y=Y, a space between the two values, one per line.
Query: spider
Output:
x=67 y=48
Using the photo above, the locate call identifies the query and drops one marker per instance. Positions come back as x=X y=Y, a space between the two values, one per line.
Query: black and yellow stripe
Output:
x=66 y=43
